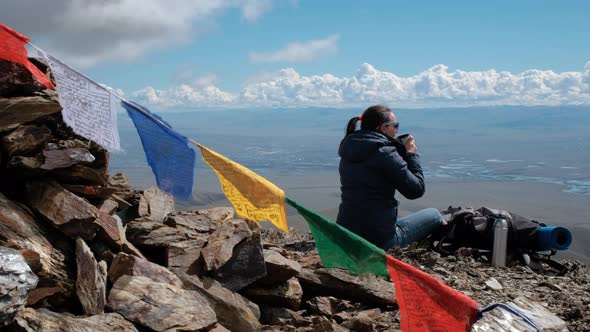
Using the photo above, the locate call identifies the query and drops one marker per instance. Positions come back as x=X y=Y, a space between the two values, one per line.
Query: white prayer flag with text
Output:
x=88 y=108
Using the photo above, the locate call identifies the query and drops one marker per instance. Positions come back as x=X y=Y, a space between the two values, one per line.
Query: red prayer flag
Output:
x=12 y=48
x=426 y=304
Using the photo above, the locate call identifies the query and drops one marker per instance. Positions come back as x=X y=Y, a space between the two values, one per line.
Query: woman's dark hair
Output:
x=372 y=118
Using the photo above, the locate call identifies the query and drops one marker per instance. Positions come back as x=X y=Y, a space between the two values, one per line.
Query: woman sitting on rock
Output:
x=373 y=166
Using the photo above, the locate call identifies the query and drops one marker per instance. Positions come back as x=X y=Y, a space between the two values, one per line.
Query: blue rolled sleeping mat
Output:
x=554 y=237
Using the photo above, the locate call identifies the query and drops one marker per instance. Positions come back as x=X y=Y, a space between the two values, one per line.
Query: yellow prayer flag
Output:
x=252 y=196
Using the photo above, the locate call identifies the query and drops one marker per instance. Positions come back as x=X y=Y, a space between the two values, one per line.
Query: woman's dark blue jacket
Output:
x=371 y=170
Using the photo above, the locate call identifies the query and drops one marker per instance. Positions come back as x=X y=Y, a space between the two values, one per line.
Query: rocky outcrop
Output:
x=69 y=222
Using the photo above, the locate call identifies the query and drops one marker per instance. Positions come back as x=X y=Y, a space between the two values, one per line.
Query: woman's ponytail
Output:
x=351 y=126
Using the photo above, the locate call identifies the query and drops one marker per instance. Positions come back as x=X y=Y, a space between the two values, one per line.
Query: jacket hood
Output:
x=361 y=144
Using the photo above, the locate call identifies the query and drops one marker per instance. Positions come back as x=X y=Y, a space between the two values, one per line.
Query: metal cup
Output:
x=403 y=138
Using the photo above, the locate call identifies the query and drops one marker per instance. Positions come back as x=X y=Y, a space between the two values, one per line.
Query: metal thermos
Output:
x=500 y=242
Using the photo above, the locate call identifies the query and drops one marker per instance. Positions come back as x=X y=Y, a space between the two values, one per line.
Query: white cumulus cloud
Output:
x=86 y=32
x=186 y=95
x=299 y=51
x=434 y=87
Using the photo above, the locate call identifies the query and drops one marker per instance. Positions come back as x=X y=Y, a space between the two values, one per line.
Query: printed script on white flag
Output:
x=86 y=106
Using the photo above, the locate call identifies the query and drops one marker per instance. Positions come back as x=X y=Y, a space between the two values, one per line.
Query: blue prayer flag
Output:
x=167 y=152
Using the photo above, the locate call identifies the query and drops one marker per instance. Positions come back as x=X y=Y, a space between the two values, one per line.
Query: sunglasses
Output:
x=394 y=124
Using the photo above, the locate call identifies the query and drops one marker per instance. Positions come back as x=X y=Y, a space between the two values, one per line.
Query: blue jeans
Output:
x=415 y=227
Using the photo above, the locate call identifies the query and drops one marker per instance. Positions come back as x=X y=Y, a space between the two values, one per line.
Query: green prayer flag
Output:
x=340 y=248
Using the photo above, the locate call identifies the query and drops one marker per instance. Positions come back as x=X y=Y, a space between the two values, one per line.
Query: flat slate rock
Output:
x=286 y=294
x=155 y=204
x=368 y=289
x=17 y=80
x=43 y=320
x=26 y=139
x=80 y=174
x=191 y=223
x=40 y=293
x=69 y=213
x=15 y=111
x=218 y=214
x=91 y=281
x=66 y=158
x=278 y=268
x=145 y=232
x=233 y=310
x=130 y=265
x=73 y=215
x=278 y=315
x=322 y=305
x=185 y=255
x=120 y=183
x=246 y=264
x=160 y=306
x=221 y=243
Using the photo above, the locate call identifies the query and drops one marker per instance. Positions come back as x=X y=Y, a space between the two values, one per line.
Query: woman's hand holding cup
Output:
x=410 y=145
x=408 y=141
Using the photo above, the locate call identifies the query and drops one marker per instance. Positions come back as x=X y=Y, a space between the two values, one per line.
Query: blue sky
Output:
x=230 y=53
x=400 y=37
